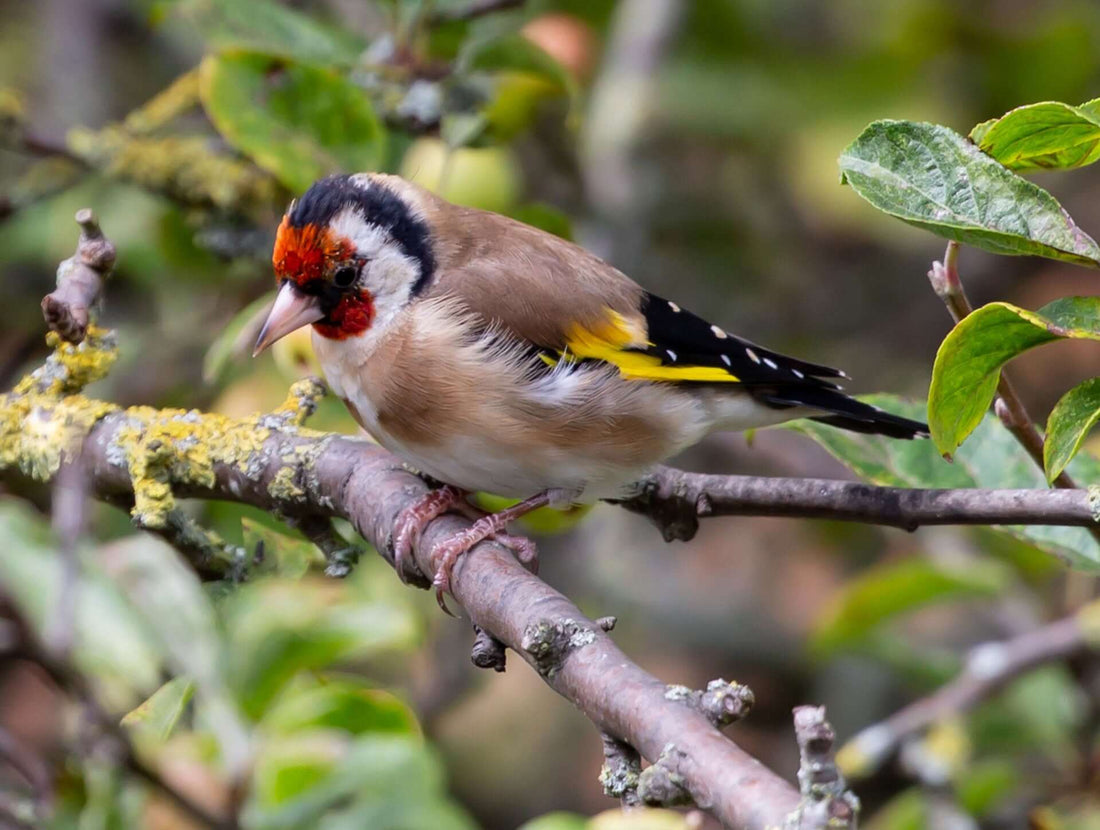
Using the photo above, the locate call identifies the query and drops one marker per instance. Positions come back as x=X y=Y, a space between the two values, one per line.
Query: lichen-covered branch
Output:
x=270 y=461
x=988 y=669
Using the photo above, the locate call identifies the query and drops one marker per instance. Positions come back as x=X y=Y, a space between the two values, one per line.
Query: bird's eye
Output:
x=345 y=276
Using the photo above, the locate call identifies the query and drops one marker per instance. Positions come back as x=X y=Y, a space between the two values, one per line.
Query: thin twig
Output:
x=68 y=510
x=67 y=678
x=827 y=804
x=988 y=669
x=675 y=501
x=30 y=767
x=1008 y=406
x=472 y=10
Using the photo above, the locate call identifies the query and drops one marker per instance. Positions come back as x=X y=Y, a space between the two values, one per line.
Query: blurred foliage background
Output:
x=700 y=158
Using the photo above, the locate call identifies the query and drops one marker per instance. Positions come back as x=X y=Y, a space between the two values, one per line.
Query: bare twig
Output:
x=826 y=801
x=30 y=768
x=1008 y=406
x=69 y=511
x=675 y=501
x=80 y=281
x=487 y=651
x=473 y=9
x=67 y=678
x=989 y=668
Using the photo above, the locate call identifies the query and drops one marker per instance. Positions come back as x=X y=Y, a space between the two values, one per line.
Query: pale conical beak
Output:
x=291 y=311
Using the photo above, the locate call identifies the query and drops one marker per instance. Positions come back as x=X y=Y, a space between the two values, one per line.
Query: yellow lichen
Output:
x=187 y=168
x=177 y=98
x=44 y=421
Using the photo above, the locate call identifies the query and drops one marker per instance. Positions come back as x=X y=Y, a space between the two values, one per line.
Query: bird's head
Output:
x=350 y=252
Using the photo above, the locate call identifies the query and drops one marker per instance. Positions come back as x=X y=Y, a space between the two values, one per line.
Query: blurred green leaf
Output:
x=897 y=588
x=177 y=611
x=1045 y=136
x=237 y=338
x=990 y=458
x=1038 y=714
x=383 y=782
x=514 y=53
x=346 y=704
x=932 y=177
x=279 y=628
x=297 y=121
x=644 y=818
x=985 y=784
x=157 y=717
x=556 y=821
x=968 y=363
x=1075 y=414
x=906 y=811
x=271 y=27
x=111 y=642
x=282 y=554
x=544 y=217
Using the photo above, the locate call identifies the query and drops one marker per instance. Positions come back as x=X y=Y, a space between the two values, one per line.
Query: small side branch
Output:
x=826 y=801
x=988 y=669
x=80 y=281
x=676 y=500
x=1008 y=406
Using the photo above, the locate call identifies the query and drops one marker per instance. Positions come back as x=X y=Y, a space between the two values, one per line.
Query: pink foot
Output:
x=447 y=552
x=414 y=518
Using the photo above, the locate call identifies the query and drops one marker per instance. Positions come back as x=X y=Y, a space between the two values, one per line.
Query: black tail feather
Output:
x=845 y=412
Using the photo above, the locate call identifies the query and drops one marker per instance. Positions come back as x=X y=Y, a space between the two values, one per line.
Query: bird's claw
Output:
x=411 y=522
x=447 y=552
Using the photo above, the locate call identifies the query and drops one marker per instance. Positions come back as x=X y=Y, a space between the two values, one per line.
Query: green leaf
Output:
x=1070 y=421
x=111 y=641
x=990 y=458
x=297 y=121
x=1045 y=136
x=556 y=821
x=157 y=717
x=279 y=628
x=271 y=27
x=345 y=704
x=932 y=177
x=237 y=338
x=1038 y=714
x=389 y=780
x=176 y=609
x=968 y=363
x=986 y=784
x=893 y=589
x=282 y=554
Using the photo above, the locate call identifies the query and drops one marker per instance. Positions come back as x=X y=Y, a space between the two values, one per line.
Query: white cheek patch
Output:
x=388 y=273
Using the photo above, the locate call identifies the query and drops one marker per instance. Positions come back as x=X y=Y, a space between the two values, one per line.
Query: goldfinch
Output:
x=492 y=356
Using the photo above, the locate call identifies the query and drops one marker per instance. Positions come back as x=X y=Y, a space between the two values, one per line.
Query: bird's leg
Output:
x=491 y=525
x=414 y=518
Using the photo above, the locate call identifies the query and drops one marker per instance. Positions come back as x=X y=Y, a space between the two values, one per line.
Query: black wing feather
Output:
x=679 y=337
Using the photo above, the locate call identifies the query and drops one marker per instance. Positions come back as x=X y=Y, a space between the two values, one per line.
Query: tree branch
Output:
x=1008 y=406
x=675 y=501
x=989 y=668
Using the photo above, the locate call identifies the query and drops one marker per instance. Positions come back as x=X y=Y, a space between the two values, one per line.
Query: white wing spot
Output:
x=671 y=355
x=771 y=364
x=721 y=335
x=797 y=374
x=752 y=355
x=726 y=360
x=673 y=306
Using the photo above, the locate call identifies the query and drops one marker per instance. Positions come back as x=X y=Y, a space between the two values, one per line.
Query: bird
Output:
x=492 y=356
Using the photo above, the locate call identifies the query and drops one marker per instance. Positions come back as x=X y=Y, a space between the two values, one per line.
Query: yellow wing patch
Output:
x=612 y=343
